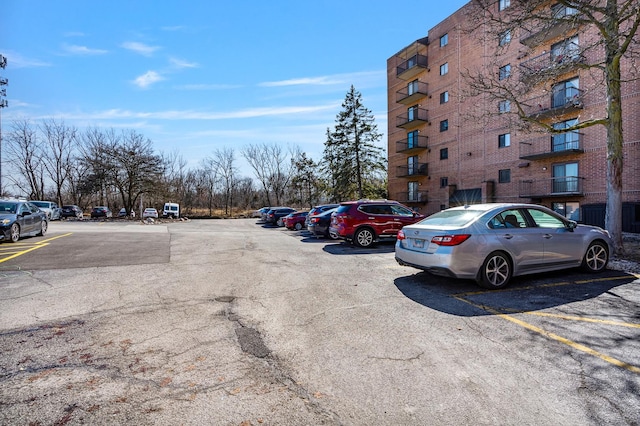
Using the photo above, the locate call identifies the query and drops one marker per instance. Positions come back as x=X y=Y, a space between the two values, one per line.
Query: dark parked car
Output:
x=101 y=211
x=319 y=224
x=295 y=220
x=491 y=243
x=317 y=210
x=71 y=211
x=275 y=215
x=366 y=221
x=21 y=219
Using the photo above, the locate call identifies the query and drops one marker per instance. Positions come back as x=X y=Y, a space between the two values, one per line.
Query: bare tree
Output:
x=60 y=142
x=223 y=161
x=25 y=156
x=600 y=53
x=270 y=165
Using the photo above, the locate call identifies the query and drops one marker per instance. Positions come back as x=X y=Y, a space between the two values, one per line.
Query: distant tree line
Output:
x=50 y=160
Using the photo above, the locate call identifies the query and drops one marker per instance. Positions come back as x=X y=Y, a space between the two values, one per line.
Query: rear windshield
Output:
x=452 y=217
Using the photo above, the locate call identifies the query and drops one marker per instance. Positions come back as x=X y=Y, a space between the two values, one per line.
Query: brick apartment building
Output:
x=444 y=151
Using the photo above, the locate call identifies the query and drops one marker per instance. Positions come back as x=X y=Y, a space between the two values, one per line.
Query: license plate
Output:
x=418 y=243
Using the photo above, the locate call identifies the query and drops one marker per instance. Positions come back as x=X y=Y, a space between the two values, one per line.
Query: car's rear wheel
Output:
x=364 y=237
x=496 y=271
x=43 y=228
x=14 y=233
x=596 y=257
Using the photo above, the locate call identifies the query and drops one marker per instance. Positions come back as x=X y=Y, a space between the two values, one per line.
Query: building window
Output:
x=444 y=97
x=566 y=50
x=504 y=38
x=412 y=139
x=412 y=165
x=504 y=140
x=504 y=106
x=412 y=191
x=566 y=93
x=444 y=68
x=444 y=153
x=412 y=113
x=412 y=87
x=504 y=4
x=565 y=178
x=444 y=182
x=444 y=125
x=444 y=40
x=504 y=176
x=570 y=210
x=565 y=141
x=504 y=72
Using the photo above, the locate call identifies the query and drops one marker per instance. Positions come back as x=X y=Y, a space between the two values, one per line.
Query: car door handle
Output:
x=547 y=236
x=508 y=236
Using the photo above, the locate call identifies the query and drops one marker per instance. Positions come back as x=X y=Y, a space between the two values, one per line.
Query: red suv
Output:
x=366 y=221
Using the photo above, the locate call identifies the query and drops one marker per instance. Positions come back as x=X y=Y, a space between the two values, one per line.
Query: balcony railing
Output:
x=417 y=169
x=564 y=20
x=412 y=118
x=411 y=145
x=551 y=63
x=552 y=187
x=411 y=67
x=413 y=197
x=410 y=94
x=561 y=101
x=552 y=146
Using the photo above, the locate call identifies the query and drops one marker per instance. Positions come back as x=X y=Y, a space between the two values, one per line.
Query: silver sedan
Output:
x=491 y=243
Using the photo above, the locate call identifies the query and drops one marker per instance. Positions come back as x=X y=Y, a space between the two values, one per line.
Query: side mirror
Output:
x=571 y=225
x=25 y=214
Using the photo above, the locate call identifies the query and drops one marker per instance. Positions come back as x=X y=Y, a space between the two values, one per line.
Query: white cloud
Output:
x=140 y=48
x=147 y=79
x=337 y=79
x=82 y=50
x=16 y=60
x=180 y=63
x=118 y=114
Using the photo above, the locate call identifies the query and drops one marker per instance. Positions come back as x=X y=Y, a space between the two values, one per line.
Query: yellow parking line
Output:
x=35 y=246
x=574 y=318
x=571 y=343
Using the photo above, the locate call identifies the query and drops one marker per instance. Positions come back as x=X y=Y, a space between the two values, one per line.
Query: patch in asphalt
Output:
x=251 y=342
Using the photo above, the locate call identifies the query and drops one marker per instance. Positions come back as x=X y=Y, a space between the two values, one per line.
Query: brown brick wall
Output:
x=474 y=157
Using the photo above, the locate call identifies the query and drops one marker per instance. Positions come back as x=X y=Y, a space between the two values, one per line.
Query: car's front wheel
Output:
x=43 y=228
x=14 y=233
x=596 y=257
x=496 y=271
x=364 y=237
x=298 y=226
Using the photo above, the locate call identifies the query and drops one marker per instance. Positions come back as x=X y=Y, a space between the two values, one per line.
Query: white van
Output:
x=171 y=210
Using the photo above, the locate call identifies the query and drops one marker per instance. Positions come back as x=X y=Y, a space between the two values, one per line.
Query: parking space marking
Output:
x=31 y=247
x=575 y=345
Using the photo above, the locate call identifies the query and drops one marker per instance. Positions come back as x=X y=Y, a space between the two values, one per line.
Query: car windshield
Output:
x=8 y=208
x=40 y=203
x=452 y=217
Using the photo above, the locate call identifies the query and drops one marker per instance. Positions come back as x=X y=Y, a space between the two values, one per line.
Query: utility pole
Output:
x=3 y=104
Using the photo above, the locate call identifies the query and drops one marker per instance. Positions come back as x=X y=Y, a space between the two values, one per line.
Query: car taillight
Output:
x=401 y=235
x=315 y=219
x=450 y=240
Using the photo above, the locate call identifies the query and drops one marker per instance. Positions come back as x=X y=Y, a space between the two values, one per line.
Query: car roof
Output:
x=492 y=206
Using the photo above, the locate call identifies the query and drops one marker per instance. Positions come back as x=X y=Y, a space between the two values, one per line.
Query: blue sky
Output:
x=194 y=76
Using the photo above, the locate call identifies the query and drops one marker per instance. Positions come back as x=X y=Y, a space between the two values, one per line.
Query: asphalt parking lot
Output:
x=233 y=322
